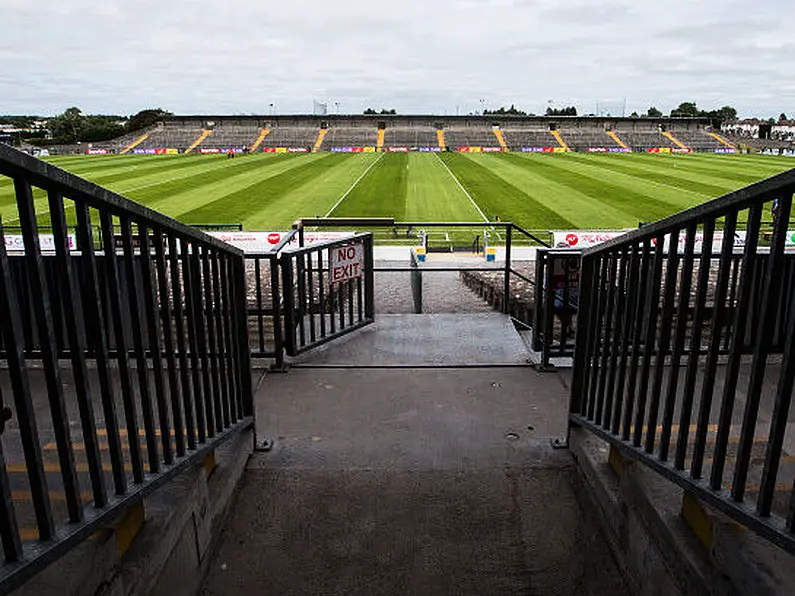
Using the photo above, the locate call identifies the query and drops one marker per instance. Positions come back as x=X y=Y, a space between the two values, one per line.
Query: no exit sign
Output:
x=347 y=262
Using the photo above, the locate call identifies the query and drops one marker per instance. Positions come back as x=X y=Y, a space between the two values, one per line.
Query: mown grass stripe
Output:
x=628 y=198
x=499 y=198
x=382 y=193
x=238 y=206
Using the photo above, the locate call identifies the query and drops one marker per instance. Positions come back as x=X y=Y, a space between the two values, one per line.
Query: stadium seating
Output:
x=698 y=140
x=470 y=136
x=178 y=135
x=581 y=140
x=233 y=135
x=516 y=138
x=290 y=136
x=411 y=137
x=640 y=141
x=354 y=136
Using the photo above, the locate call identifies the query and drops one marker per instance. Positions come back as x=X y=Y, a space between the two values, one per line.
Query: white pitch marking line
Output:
x=347 y=192
x=469 y=196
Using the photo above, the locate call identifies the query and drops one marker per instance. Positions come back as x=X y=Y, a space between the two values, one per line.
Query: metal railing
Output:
x=158 y=370
x=319 y=307
x=674 y=363
x=555 y=303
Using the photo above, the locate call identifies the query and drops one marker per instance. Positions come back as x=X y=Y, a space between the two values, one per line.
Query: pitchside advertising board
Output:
x=260 y=242
x=16 y=244
x=588 y=238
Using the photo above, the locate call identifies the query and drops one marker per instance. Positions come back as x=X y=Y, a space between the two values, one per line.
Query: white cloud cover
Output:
x=418 y=56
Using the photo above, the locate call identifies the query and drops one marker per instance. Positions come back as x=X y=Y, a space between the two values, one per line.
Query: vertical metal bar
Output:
x=538 y=298
x=618 y=339
x=321 y=291
x=582 y=343
x=666 y=321
x=138 y=344
x=228 y=330
x=192 y=287
x=311 y=292
x=506 y=290
x=628 y=326
x=678 y=342
x=258 y=297
x=168 y=341
x=300 y=272
x=122 y=352
x=550 y=297
x=713 y=351
x=91 y=296
x=598 y=329
x=778 y=421
x=769 y=305
x=214 y=407
x=735 y=351
x=9 y=528
x=179 y=329
x=226 y=376
x=609 y=337
x=40 y=302
x=286 y=263
x=341 y=305
x=695 y=345
x=732 y=304
x=152 y=312
x=25 y=412
x=349 y=286
x=359 y=301
x=369 y=278
x=246 y=400
x=276 y=299
x=650 y=335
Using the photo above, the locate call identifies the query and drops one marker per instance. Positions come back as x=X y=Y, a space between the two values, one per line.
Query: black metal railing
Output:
x=157 y=371
x=674 y=363
x=556 y=301
x=328 y=291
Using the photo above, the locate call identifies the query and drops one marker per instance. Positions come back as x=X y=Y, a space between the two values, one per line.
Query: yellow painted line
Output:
x=440 y=139
x=500 y=138
x=614 y=136
x=205 y=133
x=262 y=134
x=55 y=468
x=721 y=139
x=134 y=144
x=560 y=140
x=55 y=495
x=380 y=143
x=674 y=140
x=321 y=134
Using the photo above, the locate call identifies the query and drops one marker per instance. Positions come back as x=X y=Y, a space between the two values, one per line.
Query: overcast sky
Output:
x=417 y=56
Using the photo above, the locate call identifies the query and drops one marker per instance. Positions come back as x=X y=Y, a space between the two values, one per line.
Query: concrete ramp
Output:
x=426 y=340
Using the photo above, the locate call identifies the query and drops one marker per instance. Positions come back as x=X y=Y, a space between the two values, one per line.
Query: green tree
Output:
x=686 y=109
x=567 y=111
x=146 y=118
x=67 y=127
x=782 y=116
x=653 y=112
x=370 y=112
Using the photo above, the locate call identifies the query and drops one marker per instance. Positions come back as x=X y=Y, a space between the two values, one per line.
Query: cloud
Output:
x=201 y=56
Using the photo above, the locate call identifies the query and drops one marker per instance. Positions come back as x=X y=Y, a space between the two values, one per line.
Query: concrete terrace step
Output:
x=421 y=340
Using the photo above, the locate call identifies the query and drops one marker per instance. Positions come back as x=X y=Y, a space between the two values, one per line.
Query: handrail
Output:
x=15 y=163
x=160 y=323
x=671 y=363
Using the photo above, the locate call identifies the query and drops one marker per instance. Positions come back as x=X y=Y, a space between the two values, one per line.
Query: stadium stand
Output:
x=351 y=136
x=516 y=138
x=640 y=141
x=264 y=132
x=290 y=136
x=411 y=137
x=699 y=140
x=233 y=135
x=473 y=135
x=582 y=140
x=176 y=135
x=332 y=132
x=559 y=139
x=500 y=138
x=204 y=134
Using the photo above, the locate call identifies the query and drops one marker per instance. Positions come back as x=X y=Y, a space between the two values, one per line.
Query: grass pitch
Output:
x=269 y=192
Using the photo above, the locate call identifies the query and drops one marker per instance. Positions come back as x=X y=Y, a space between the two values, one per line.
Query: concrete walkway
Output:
x=412 y=480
